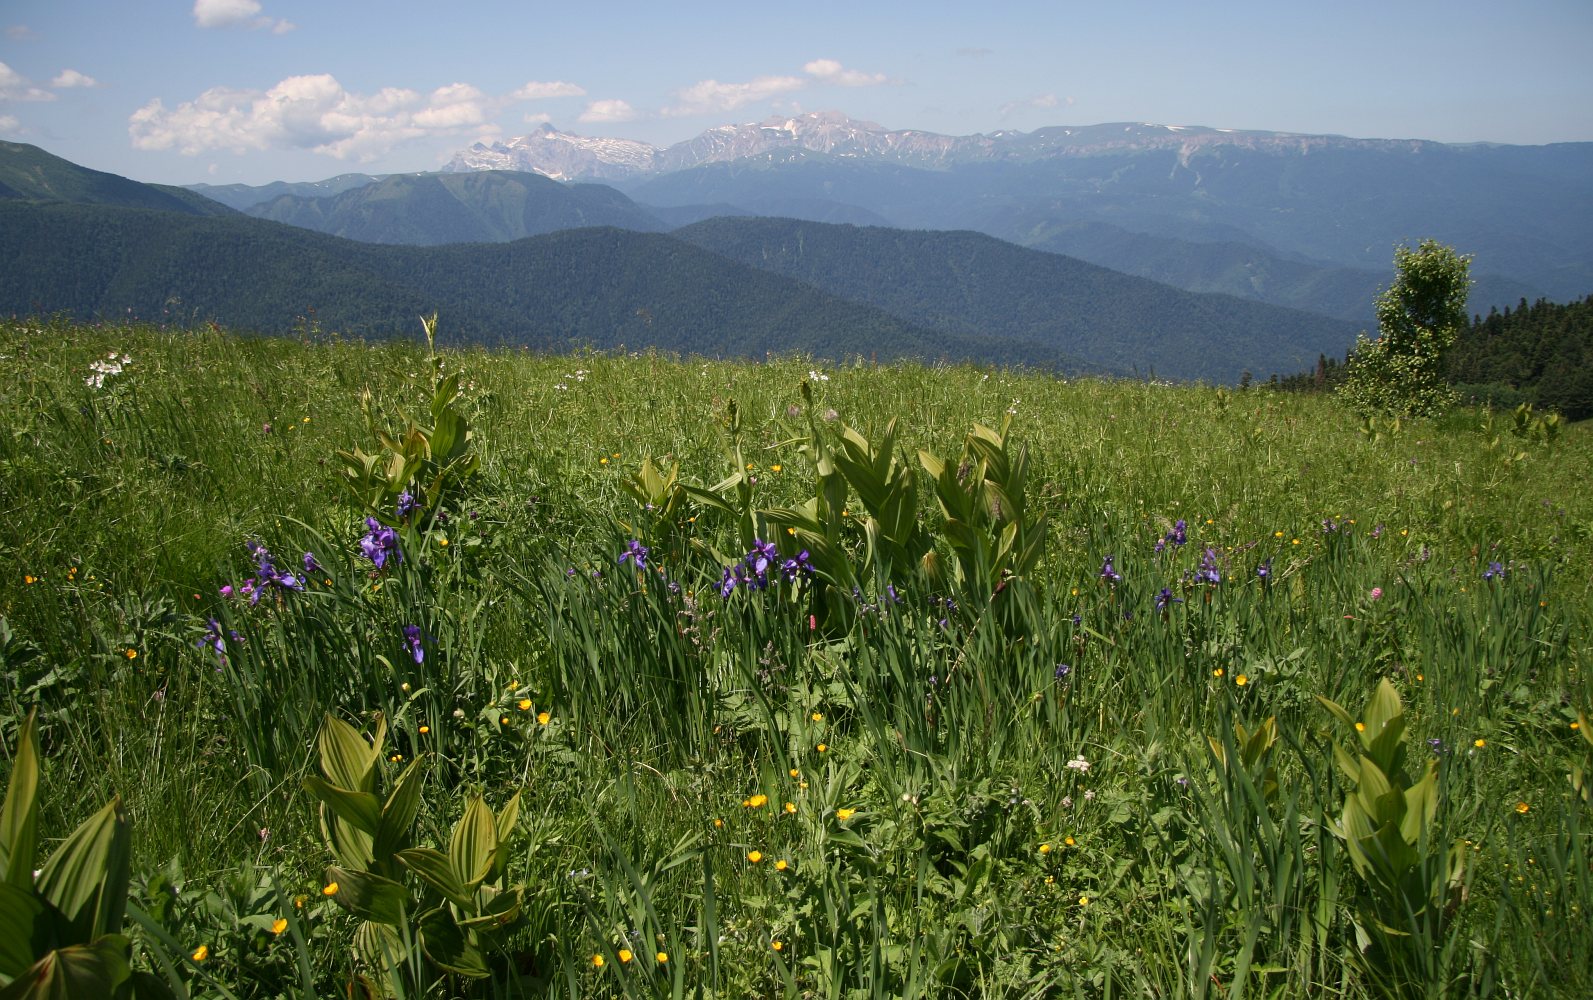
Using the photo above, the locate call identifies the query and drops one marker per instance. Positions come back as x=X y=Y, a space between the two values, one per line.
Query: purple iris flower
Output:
x=406 y=505
x=1166 y=598
x=381 y=543
x=1109 y=573
x=310 y=565
x=793 y=569
x=1494 y=571
x=267 y=574
x=1178 y=537
x=734 y=575
x=636 y=552
x=1208 y=568
x=762 y=556
x=1062 y=671
x=1264 y=571
x=412 y=642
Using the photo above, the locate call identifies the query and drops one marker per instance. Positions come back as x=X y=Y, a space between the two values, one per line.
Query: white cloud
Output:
x=535 y=91
x=1043 y=102
x=16 y=87
x=609 y=111
x=541 y=118
x=709 y=96
x=225 y=13
x=72 y=78
x=306 y=112
x=831 y=71
x=9 y=124
x=21 y=33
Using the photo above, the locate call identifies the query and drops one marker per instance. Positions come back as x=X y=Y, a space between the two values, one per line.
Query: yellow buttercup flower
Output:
x=754 y=856
x=844 y=814
x=661 y=957
x=790 y=807
x=625 y=955
x=597 y=960
x=1045 y=848
x=279 y=925
x=1479 y=743
x=543 y=718
x=1522 y=808
x=776 y=945
x=781 y=865
x=524 y=704
x=201 y=953
x=330 y=889
x=1241 y=680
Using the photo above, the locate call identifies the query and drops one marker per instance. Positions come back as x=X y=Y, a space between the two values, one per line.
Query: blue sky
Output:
x=178 y=91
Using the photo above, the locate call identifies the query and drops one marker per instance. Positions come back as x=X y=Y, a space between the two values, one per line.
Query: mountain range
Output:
x=721 y=287
x=1300 y=210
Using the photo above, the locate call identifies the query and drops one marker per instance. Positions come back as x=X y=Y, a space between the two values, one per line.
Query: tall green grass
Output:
x=1011 y=796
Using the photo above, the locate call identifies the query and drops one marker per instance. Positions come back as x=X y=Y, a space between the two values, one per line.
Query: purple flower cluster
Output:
x=380 y=544
x=1495 y=571
x=636 y=552
x=214 y=640
x=1177 y=536
x=267 y=575
x=763 y=566
x=1109 y=573
x=1166 y=599
x=1208 y=572
x=1264 y=571
x=413 y=639
x=406 y=505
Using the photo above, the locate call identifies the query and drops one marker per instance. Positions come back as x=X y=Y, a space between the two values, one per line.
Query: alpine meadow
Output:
x=394 y=669
x=721 y=501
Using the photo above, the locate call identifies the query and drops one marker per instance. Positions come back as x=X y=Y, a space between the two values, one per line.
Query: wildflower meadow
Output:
x=392 y=670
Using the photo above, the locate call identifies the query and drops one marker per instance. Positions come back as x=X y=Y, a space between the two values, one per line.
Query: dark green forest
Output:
x=1539 y=353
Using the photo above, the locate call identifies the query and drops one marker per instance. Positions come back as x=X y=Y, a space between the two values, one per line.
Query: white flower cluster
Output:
x=102 y=370
x=579 y=376
x=815 y=375
x=1079 y=764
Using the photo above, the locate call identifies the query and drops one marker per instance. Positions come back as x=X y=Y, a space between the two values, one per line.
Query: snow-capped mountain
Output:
x=566 y=156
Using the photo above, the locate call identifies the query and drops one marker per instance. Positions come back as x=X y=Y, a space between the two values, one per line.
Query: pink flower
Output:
x=1377 y=593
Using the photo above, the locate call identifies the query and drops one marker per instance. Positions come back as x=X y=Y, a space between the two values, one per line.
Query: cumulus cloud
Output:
x=226 y=13
x=712 y=96
x=535 y=91
x=9 y=124
x=541 y=118
x=312 y=113
x=830 y=71
x=72 y=78
x=16 y=87
x=609 y=111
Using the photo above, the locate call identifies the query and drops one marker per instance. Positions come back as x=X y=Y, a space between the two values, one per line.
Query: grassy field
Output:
x=722 y=679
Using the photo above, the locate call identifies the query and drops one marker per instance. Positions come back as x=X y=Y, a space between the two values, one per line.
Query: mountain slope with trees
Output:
x=977 y=284
x=590 y=287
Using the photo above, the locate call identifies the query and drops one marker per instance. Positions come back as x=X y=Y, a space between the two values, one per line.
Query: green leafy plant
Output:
x=1412 y=882
x=427 y=459
x=61 y=933
x=465 y=901
x=1419 y=318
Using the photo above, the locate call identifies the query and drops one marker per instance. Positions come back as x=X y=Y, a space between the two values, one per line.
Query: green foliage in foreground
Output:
x=583 y=733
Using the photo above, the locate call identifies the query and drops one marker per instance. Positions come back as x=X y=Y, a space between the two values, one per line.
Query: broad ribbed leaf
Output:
x=369 y=896
x=1337 y=710
x=86 y=879
x=497 y=913
x=19 y=818
x=18 y=910
x=398 y=812
x=474 y=843
x=1383 y=709
x=359 y=809
x=347 y=760
x=75 y=973
x=450 y=947
x=436 y=870
x=508 y=820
